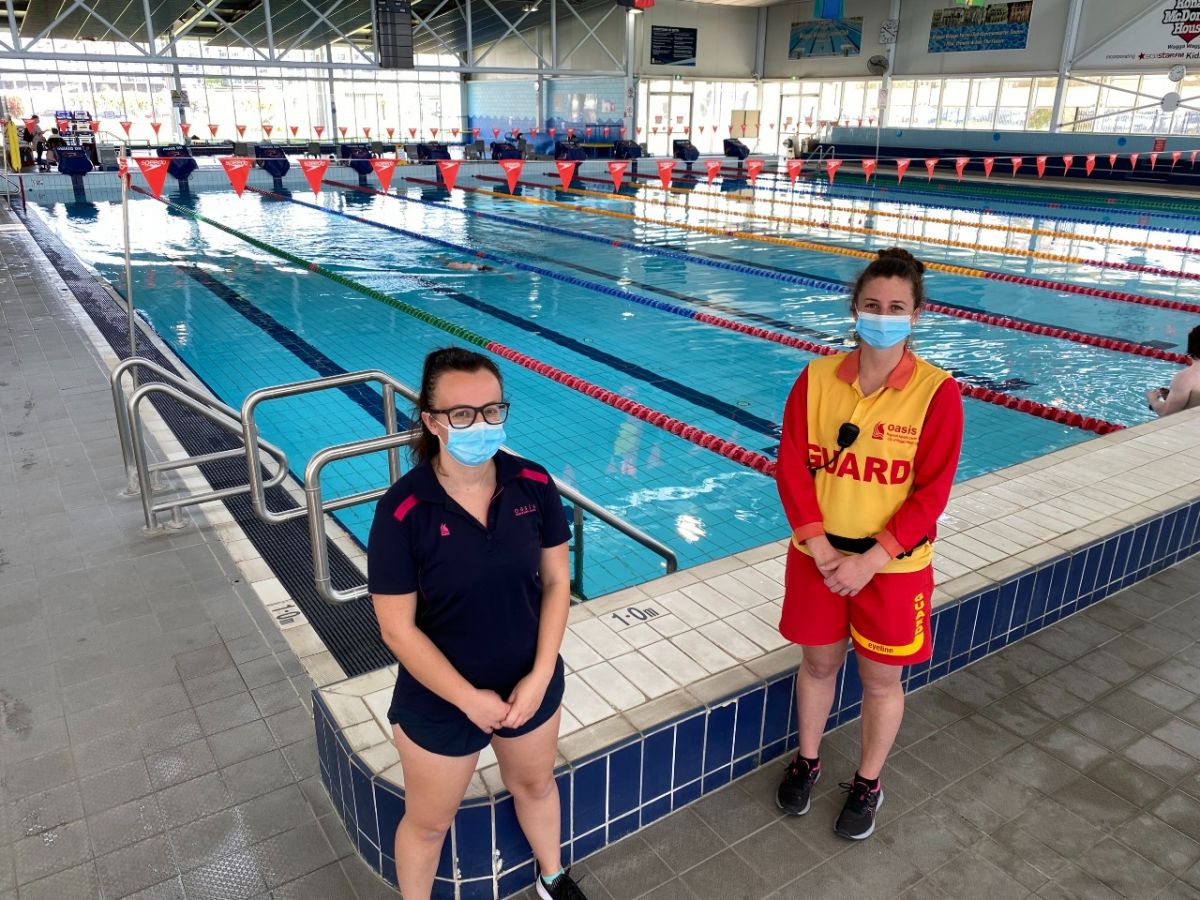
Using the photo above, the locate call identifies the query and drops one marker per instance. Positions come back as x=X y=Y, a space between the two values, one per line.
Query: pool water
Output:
x=243 y=319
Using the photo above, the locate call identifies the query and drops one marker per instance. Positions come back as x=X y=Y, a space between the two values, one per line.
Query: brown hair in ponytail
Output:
x=894 y=262
x=438 y=362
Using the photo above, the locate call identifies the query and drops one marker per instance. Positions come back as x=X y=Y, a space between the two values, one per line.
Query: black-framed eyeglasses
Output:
x=466 y=416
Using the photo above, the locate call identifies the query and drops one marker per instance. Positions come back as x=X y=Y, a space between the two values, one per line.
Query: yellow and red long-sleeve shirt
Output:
x=894 y=481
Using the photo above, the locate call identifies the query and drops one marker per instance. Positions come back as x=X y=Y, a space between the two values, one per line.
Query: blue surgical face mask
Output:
x=475 y=445
x=882 y=332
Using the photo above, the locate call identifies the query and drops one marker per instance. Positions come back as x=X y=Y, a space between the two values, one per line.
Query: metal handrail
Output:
x=316 y=506
x=217 y=413
x=250 y=435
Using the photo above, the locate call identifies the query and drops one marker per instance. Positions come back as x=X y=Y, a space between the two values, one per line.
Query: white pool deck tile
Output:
x=670 y=645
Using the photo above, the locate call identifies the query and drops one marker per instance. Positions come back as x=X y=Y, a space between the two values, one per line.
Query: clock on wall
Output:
x=1177 y=72
x=888 y=31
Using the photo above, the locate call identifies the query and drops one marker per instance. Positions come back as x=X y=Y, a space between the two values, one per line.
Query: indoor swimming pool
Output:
x=1071 y=301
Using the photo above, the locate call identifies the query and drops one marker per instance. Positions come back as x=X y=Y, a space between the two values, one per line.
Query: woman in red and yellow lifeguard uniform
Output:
x=870 y=445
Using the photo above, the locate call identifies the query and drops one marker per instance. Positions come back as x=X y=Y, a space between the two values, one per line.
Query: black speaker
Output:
x=626 y=150
x=394 y=34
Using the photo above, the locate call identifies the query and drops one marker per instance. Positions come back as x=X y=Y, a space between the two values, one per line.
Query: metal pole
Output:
x=128 y=265
x=578 y=535
x=1064 y=63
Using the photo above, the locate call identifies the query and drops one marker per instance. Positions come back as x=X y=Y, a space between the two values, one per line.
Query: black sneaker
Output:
x=857 y=820
x=795 y=791
x=562 y=888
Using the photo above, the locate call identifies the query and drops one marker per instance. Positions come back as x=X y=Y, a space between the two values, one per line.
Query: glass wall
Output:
x=237 y=100
x=1107 y=103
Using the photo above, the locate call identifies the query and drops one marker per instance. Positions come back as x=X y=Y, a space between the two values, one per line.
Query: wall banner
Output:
x=825 y=37
x=997 y=26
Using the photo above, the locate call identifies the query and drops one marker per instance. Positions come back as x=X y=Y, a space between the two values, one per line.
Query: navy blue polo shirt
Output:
x=479 y=590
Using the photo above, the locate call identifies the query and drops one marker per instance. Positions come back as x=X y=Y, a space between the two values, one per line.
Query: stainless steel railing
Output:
x=142 y=473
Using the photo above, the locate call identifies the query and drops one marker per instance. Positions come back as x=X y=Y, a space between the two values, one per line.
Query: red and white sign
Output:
x=314 y=171
x=616 y=171
x=566 y=171
x=154 y=170
x=384 y=170
x=665 y=168
x=449 y=170
x=512 y=172
x=237 y=169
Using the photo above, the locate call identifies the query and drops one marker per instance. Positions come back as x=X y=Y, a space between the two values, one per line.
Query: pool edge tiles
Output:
x=1019 y=549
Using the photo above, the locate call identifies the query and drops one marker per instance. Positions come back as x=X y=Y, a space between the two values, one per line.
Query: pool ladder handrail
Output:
x=316 y=506
x=142 y=475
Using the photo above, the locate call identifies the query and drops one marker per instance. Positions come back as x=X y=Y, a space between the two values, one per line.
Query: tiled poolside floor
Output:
x=155 y=740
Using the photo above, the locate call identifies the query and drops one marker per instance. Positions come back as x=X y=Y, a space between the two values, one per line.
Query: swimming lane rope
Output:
x=1065 y=287
x=701 y=438
x=987 y=395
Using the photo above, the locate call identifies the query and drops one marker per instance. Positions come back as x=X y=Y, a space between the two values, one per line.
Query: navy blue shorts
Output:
x=450 y=733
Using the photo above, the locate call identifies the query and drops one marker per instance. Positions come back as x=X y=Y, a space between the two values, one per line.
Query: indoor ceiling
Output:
x=293 y=22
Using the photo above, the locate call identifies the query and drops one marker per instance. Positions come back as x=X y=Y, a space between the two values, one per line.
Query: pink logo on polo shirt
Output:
x=444 y=530
x=525 y=510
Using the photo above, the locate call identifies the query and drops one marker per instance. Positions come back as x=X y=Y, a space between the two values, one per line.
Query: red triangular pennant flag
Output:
x=665 y=168
x=154 y=170
x=454 y=131
x=1089 y=164
x=212 y=129
x=566 y=171
x=551 y=132
x=95 y=126
x=512 y=172
x=960 y=163
x=588 y=131
x=123 y=167
x=1194 y=152
x=449 y=170
x=475 y=133
x=794 y=168
x=126 y=126
x=753 y=167
x=533 y=131
x=1112 y=160
x=743 y=129
x=391 y=133
x=1017 y=162
x=712 y=167
x=1153 y=161
x=320 y=130
x=496 y=134
x=155 y=125
x=988 y=163
x=1068 y=161
x=241 y=130
x=616 y=171
x=621 y=131
x=1041 y=165
x=868 y=167
x=1133 y=158
x=831 y=167
x=366 y=133
x=185 y=127
x=267 y=128
x=1175 y=154
x=314 y=171
x=930 y=165
x=433 y=131
x=901 y=167
x=384 y=170
x=294 y=129
x=412 y=132
x=237 y=168
x=606 y=131
x=570 y=134
x=343 y=129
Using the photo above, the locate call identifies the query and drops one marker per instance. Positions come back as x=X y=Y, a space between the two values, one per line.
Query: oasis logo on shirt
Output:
x=525 y=510
x=901 y=434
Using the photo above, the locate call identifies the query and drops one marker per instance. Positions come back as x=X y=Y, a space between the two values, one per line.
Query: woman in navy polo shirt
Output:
x=468 y=569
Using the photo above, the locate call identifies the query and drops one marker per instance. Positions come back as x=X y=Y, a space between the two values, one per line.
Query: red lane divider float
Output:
x=1001 y=321
x=1065 y=287
x=987 y=395
x=681 y=429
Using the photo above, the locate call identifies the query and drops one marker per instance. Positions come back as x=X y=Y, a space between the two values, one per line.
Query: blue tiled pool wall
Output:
x=625 y=787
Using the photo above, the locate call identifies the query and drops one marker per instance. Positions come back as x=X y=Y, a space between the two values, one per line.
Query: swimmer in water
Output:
x=461 y=266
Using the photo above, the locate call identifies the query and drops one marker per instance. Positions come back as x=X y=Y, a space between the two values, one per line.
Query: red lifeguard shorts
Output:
x=888 y=620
